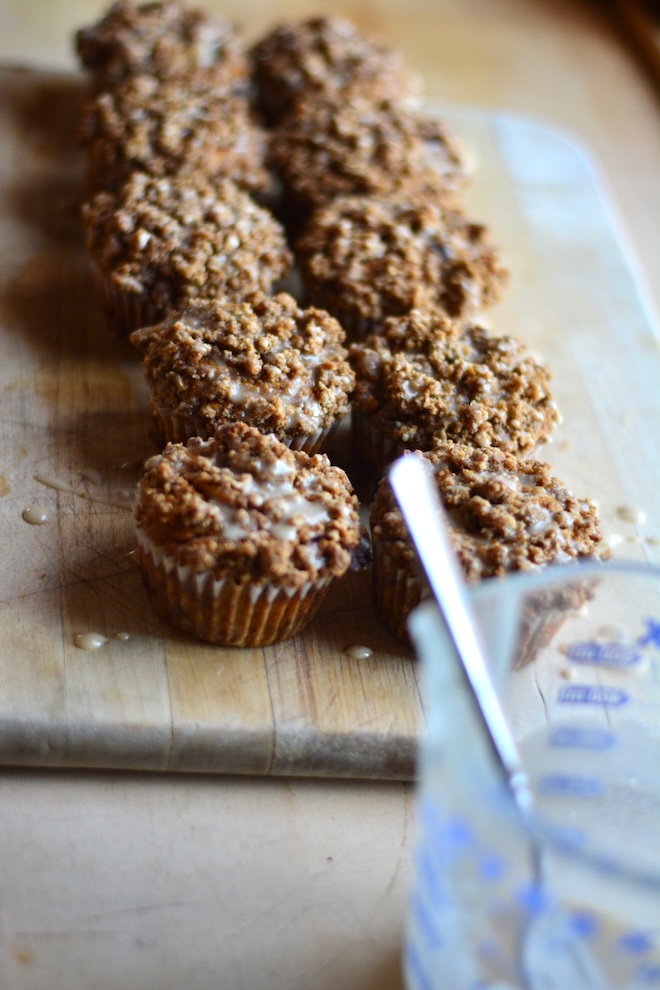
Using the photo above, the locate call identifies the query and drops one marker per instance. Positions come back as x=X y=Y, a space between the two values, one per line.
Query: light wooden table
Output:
x=112 y=880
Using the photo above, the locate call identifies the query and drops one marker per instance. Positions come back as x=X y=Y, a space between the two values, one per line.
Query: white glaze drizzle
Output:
x=89 y=640
x=631 y=514
x=62 y=486
x=35 y=515
x=358 y=652
x=91 y=474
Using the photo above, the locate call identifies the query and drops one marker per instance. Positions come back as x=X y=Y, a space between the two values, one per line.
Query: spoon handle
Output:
x=425 y=518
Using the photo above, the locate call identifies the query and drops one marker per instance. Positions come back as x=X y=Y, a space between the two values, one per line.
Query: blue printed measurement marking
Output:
x=592 y=694
x=603 y=654
x=652 y=635
x=492 y=868
x=648 y=972
x=425 y=922
x=416 y=969
x=533 y=897
x=584 y=924
x=566 y=785
x=431 y=875
x=581 y=737
x=568 y=835
x=635 y=943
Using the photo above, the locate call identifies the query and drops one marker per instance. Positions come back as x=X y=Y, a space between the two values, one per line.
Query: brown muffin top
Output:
x=245 y=506
x=371 y=258
x=158 y=127
x=176 y=239
x=424 y=379
x=164 y=40
x=362 y=146
x=267 y=362
x=323 y=55
x=505 y=513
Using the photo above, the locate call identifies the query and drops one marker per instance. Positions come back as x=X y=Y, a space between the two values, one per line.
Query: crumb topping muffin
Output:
x=424 y=379
x=174 y=239
x=506 y=514
x=165 y=40
x=323 y=55
x=266 y=362
x=245 y=507
x=362 y=146
x=157 y=127
x=240 y=537
x=364 y=259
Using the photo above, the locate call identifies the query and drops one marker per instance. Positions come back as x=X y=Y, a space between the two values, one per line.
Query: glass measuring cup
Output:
x=584 y=701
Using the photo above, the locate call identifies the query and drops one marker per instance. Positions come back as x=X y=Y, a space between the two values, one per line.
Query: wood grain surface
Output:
x=159 y=880
x=74 y=414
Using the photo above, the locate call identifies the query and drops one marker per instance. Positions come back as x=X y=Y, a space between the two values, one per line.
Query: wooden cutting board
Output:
x=74 y=432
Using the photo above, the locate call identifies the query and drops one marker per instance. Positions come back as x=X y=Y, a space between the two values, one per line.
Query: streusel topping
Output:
x=361 y=147
x=425 y=379
x=371 y=258
x=157 y=127
x=505 y=513
x=324 y=55
x=165 y=40
x=281 y=368
x=176 y=239
x=244 y=505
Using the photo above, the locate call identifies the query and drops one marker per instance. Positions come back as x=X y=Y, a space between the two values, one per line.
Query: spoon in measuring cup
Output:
x=424 y=517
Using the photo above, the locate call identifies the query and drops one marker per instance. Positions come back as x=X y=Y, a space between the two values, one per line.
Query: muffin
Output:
x=505 y=514
x=157 y=127
x=265 y=362
x=157 y=243
x=426 y=379
x=323 y=56
x=364 y=259
x=360 y=147
x=240 y=536
x=164 y=40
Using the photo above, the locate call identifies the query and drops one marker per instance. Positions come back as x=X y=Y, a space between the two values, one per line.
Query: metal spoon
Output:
x=424 y=516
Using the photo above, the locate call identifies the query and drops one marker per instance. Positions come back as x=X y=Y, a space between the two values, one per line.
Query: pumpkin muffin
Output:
x=362 y=147
x=155 y=126
x=265 y=362
x=165 y=40
x=364 y=259
x=425 y=379
x=505 y=514
x=323 y=56
x=240 y=536
x=157 y=243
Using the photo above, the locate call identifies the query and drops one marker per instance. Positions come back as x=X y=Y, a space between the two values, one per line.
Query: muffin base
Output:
x=371 y=445
x=397 y=592
x=223 y=611
x=355 y=327
x=127 y=311
x=535 y=633
x=171 y=428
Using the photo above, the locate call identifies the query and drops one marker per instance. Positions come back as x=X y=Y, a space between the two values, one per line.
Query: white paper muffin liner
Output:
x=127 y=311
x=224 y=611
x=371 y=445
x=399 y=590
